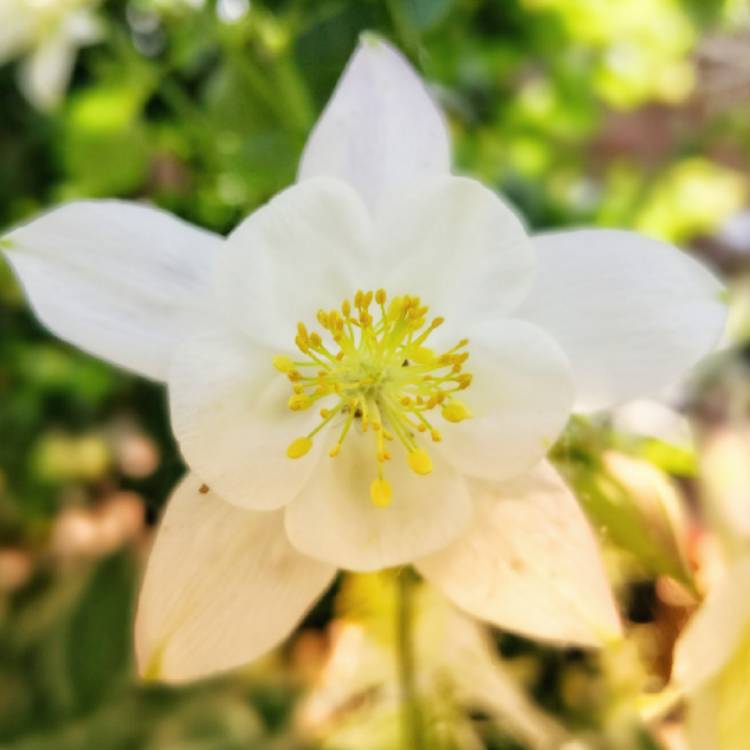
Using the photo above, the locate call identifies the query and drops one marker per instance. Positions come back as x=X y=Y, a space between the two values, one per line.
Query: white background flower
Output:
x=711 y=662
x=47 y=34
x=584 y=320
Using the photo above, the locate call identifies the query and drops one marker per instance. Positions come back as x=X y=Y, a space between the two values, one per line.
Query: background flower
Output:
x=47 y=34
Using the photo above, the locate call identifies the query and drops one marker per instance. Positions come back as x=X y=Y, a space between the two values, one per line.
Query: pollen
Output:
x=375 y=376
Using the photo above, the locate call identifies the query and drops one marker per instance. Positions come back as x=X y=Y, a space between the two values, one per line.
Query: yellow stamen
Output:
x=381 y=493
x=299 y=447
x=420 y=462
x=283 y=363
x=373 y=368
x=299 y=402
x=456 y=411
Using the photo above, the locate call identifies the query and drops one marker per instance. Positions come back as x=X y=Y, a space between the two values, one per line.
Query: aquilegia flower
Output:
x=368 y=372
x=48 y=34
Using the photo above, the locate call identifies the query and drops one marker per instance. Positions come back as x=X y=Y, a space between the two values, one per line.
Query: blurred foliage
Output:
x=595 y=111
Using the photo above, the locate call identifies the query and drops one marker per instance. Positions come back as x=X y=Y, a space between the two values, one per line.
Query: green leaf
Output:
x=99 y=633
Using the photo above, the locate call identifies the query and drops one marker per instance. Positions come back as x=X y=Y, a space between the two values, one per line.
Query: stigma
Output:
x=372 y=370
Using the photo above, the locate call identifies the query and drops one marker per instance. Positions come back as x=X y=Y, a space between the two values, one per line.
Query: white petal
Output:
x=45 y=73
x=121 y=281
x=222 y=587
x=725 y=479
x=380 y=130
x=529 y=563
x=520 y=399
x=303 y=251
x=632 y=313
x=230 y=415
x=457 y=245
x=334 y=519
x=83 y=27
x=715 y=631
x=653 y=419
x=16 y=28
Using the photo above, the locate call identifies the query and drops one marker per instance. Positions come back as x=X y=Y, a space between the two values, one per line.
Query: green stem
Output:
x=412 y=734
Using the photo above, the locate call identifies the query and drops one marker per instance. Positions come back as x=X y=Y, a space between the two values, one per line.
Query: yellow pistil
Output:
x=374 y=370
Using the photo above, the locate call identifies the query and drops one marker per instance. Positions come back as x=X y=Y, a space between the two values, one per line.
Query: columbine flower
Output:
x=368 y=372
x=48 y=33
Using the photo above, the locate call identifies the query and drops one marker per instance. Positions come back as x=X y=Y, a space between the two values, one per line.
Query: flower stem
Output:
x=411 y=719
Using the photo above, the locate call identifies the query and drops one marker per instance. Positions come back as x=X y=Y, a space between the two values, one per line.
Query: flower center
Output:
x=379 y=374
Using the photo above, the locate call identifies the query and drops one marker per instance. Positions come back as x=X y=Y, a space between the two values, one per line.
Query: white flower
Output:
x=48 y=34
x=712 y=662
x=318 y=301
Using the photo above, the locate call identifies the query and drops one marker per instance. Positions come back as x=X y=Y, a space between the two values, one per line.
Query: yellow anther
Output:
x=456 y=411
x=420 y=461
x=283 y=363
x=299 y=447
x=423 y=356
x=395 y=308
x=381 y=374
x=381 y=493
x=299 y=402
